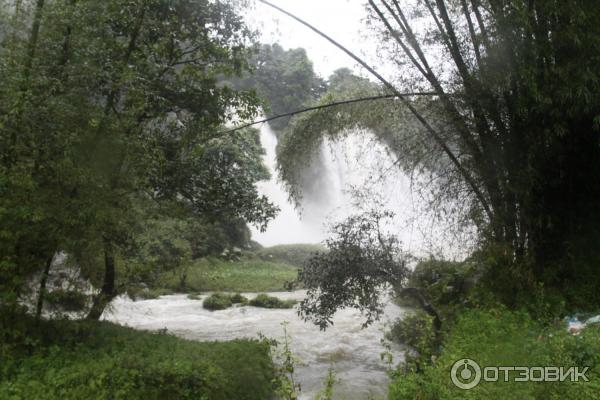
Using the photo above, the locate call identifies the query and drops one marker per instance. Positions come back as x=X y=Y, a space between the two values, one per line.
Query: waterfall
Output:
x=357 y=161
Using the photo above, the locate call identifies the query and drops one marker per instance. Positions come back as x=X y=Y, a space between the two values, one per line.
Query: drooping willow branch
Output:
x=432 y=132
x=328 y=105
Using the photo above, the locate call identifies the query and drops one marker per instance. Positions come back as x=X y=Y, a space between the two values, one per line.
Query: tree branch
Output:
x=434 y=134
x=328 y=105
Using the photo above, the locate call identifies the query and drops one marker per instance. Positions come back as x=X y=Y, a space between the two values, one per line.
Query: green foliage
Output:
x=416 y=331
x=67 y=300
x=285 y=78
x=361 y=260
x=239 y=299
x=217 y=301
x=446 y=284
x=245 y=275
x=265 y=301
x=284 y=380
x=148 y=294
x=104 y=132
x=194 y=296
x=327 y=392
x=500 y=337
x=77 y=360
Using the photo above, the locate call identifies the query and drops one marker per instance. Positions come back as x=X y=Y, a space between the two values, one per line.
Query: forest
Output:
x=136 y=179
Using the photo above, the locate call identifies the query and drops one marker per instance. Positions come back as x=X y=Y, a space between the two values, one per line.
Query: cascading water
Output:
x=359 y=164
x=356 y=161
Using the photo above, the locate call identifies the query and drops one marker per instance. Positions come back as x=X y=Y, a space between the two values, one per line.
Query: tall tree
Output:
x=115 y=101
x=514 y=120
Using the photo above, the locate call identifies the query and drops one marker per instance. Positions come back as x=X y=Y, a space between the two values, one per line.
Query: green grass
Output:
x=245 y=275
x=500 y=337
x=99 y=360
x=292 y=254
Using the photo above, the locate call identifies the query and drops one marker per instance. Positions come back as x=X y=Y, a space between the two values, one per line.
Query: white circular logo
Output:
x=465 y=374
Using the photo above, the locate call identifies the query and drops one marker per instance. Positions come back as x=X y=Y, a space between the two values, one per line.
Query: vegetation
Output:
x=99 y=360
x=265 y=301
x=510 y=88
x=217 y=301
x=499 y=337
x=115 y=150
x=248 y=274
x=292 y=254
x=94 y=154
x=285 y=78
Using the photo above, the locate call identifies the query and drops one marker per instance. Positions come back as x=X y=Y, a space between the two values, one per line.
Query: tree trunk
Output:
x=43 y=281
x=107 y=293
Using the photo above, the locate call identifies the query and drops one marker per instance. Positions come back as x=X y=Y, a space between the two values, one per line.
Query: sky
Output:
x=341 y=19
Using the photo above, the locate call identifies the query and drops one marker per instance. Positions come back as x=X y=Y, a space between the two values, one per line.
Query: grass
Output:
x=100 y=360
x=292 y=254
x=500 y=337
x=245 y=275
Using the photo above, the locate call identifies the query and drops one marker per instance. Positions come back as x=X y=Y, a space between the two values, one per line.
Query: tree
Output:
x=513 y=122
x=285 y=78
x=360 y=260
x=104 y=103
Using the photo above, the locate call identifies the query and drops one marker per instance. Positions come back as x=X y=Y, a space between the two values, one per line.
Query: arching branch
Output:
x=328 y=105
x=432 y=132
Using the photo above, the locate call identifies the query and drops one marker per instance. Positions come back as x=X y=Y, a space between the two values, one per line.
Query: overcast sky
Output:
x=341 y=19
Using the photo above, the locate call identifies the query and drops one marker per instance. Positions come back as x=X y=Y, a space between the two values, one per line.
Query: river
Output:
x=354 y=353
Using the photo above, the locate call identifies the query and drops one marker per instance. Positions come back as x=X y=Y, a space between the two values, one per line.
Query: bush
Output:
x=239 y=299
x=194 y=296
x=416 y=331
x=506 y=338
x=217 y=301
x=265 y=301
x=99 y=360
x=148 y=294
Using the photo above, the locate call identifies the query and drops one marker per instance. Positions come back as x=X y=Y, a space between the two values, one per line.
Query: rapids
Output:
x=353 y=353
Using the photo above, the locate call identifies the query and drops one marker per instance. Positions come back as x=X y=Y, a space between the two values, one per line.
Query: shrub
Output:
x=239 y=299
x=416 y=331
x=148 y=294
x=99 y=360
x=217 y=301
x=194 y=296
x=265 y=301
x=506 y=338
